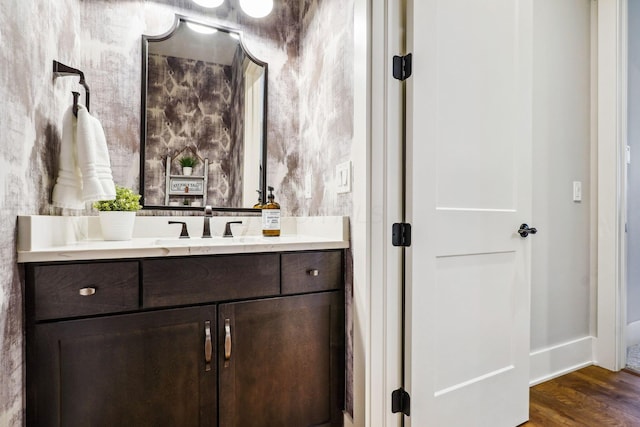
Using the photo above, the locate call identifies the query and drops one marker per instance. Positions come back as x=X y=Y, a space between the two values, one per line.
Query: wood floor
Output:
x=589 y=397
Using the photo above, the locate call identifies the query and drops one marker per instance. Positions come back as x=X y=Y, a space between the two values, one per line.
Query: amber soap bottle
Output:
x=271 y=216
x=259 y=204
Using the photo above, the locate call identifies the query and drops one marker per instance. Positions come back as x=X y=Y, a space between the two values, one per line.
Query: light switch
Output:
x=343 y=177
x=577 y=191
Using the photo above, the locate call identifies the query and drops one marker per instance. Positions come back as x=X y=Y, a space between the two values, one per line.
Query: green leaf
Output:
x=126 y=200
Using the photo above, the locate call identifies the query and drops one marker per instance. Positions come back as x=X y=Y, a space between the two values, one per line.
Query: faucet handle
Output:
x=208 y=211
x=227 y=228
x=184 y=234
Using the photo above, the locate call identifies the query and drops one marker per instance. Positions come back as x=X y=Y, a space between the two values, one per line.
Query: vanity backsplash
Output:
x=66 y=238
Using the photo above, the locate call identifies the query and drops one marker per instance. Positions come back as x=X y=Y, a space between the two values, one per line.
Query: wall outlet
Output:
x=343 y=177
x=307 y=185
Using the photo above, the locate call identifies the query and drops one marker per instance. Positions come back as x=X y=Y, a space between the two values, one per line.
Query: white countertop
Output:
x=57 y=238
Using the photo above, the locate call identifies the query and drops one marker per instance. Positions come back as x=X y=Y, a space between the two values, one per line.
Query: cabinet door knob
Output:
x=87 y=292
x=313 y=272
x=208 y=348
x=227 y=339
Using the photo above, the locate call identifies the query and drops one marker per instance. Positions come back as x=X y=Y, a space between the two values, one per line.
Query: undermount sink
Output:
x=212 y=241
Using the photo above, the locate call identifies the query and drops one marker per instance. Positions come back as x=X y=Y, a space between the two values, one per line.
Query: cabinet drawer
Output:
x=85 y=289
x=194 y=280
x=311 y=271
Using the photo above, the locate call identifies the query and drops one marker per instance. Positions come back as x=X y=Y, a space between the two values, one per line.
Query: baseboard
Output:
x=633 y=333
x=560 y=359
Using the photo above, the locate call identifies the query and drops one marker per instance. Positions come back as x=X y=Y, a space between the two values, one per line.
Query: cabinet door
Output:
x=281 y=362
x=144 y=369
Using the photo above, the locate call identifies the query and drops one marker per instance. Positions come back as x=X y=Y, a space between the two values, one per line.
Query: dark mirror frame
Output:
x=143 y=117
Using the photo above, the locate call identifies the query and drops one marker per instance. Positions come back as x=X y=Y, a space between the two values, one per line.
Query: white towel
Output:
x=67 y=193
x=93 y=159
x=85 y=169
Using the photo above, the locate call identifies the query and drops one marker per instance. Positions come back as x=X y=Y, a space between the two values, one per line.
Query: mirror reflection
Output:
x=204 y=119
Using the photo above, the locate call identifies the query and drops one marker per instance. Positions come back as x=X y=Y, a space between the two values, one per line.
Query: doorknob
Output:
x=525 y=230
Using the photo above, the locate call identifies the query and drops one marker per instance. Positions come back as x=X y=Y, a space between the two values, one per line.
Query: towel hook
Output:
x=62 y=70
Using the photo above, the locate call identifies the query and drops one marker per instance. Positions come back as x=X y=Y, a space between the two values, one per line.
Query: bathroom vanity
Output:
x=248 y=337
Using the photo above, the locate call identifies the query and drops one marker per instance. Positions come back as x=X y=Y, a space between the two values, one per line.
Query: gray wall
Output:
x=102 y=38
x=633 y=192
x=560 y=283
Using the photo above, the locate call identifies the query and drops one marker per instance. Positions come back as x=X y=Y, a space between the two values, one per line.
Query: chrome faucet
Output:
x=208 y=213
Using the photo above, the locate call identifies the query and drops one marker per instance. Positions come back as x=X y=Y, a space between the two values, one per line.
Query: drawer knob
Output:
x=313 y=273
x=87 y=292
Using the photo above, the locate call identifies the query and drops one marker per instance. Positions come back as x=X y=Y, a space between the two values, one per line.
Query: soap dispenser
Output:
x=271 y=216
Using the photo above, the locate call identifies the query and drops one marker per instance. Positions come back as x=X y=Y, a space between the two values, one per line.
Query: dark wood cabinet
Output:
x=196 y=280
x=311 y=272
x=143 y=369
x=153 y=345
x=281 y=362
x=71 y=290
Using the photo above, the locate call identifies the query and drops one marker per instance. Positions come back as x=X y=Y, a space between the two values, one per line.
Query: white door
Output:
x=469 y=177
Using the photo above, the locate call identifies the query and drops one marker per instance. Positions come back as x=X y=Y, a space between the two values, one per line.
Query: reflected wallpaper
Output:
x=189 y=113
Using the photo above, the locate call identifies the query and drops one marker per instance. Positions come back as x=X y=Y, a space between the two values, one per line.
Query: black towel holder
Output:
x=62 y=70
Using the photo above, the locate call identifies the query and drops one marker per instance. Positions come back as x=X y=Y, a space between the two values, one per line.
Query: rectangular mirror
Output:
x=203 y=127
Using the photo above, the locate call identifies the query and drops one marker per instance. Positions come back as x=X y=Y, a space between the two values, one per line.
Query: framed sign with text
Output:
x=193 y=186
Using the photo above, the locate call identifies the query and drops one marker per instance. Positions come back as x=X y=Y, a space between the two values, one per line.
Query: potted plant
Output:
x=187 y=163
x=117 y=216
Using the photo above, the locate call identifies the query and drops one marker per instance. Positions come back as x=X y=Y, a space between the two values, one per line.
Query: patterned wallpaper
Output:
x=307 y=44
x=321 y=115
x=326 y=126
x=189 y=113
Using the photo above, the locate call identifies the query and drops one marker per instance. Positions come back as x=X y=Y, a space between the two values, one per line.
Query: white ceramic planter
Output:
x=117 y=225
x=186 y=171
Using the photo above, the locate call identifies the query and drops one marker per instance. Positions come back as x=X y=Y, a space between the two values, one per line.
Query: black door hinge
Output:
x=401 y=234
x=402 y=67
x=401 y=402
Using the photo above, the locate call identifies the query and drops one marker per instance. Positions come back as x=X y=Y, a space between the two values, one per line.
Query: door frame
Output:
x=611 y=301
x=360 y=228
x=376 y=299
x=384 y=268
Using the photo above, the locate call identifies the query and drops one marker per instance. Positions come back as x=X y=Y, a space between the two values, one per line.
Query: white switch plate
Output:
x=577 y=191
x=307 y=185
x=343 y=177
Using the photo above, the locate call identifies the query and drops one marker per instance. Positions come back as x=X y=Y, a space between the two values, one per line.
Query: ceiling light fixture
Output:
x=208 y=3
x=257 y=8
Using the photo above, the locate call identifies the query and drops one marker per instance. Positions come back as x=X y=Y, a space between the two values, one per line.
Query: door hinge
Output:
x=401 y=234
x=402 y=67
x=401 y=402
